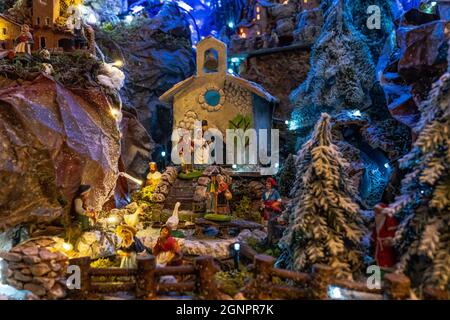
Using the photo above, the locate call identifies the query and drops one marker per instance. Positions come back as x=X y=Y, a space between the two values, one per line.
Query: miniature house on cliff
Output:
x=9 y=30
x=46 y=34
x=216 y=96
x=256 y=19
x=43 y=24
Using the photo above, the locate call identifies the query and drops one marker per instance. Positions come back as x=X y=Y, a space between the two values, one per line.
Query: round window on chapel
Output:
x=212 y=97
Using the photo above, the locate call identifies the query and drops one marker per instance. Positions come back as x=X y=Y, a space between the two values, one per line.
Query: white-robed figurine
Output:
x=24 y=40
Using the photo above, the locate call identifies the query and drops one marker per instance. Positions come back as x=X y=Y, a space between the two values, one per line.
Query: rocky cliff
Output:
x=52 y=139
x=157 y=53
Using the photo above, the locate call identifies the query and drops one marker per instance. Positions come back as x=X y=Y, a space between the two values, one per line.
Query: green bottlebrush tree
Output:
x=423 y=237
x=325 y=226
x=287 y=176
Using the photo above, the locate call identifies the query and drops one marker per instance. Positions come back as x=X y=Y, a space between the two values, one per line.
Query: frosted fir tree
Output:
x=287 y=175
x=325 y=226
x=342 y=72
x=423 y=237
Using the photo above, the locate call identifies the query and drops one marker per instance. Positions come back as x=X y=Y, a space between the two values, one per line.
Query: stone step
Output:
x=183 y=206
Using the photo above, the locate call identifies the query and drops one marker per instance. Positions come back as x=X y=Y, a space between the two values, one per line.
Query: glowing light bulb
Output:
x=163 y=153
x=92 y=19
x=135 y=180
x=112 y=220
x=129 y=19
x=386 y=165
x=118 y=63
x=356 y=113
x=137 y=9
x=335 y=293
x=286 y=122
x=234 y=166
x=67 y=246
x=115 y=113
x=231 y=24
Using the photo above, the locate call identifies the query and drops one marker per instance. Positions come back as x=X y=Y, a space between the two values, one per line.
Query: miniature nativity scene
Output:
x=224 y=150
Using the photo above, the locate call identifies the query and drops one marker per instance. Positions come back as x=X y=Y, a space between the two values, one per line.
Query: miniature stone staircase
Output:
x=182 y=191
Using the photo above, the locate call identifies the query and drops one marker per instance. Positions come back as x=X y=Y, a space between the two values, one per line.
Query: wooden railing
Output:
x=315 y=285
x=144 y=280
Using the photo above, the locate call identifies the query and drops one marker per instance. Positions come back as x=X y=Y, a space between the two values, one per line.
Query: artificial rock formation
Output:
x=414 y=64
x=136 y=145
x=157 y=54
x=53 y=139
x=309 y=25
x=279 y=73
x=37 y=266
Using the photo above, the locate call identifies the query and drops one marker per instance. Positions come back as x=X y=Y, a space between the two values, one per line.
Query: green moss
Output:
x=243 y=210
x=191 y=175
x=217 y=217
x=232 y=282
x=177 y=234
x=144 y=195
x=105 y=263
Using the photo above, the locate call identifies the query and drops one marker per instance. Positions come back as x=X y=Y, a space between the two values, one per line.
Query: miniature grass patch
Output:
x=217 y=217
x=232 y=282
x=177 y=234
x=191 y=175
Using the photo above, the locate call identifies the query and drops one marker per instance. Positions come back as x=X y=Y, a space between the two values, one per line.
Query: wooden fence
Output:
x=315 y=285
x=144 y=280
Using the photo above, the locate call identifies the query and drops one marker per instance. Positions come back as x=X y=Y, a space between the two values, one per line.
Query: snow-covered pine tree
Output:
x=423 y=237
x=325 y=225
x=342 y=72
x=287 y=175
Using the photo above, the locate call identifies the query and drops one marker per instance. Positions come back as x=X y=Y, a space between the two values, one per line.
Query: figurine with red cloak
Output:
x=383 y=236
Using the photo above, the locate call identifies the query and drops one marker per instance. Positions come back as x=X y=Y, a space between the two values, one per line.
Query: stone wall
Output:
x=37 y=266
x=279 y=73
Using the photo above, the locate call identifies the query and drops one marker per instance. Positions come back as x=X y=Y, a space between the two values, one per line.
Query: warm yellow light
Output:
x=135 y=180
x=115 y=113
x=258 y=9
x=258 y=32
x=258 y=17
x=67 y=246
x=118 y=63
x=112 y=220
